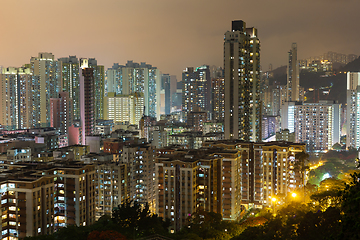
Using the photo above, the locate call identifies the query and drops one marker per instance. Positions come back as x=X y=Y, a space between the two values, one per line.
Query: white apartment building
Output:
x=352 y=110
x=125 y=109
x=316 y=124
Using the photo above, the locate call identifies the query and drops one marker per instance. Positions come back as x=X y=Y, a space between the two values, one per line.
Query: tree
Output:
x=351 y=208
x=300 y=165
x=105 y=235
x=209 y=225
x=205 y=224
x=136 y=220
x=337 y=146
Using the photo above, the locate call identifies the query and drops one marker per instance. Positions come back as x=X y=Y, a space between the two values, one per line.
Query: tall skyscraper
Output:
x=196 y=92
x=70 y=83
x=293 y=75
x=242 y=83
x=352 y=109
x=99 y=84
x=16 y=98
x=87 y=121
x=217 y=99
x=140 y=78
x=165 y=84
x=60 y=116
x=217 y=94
x=46 y=80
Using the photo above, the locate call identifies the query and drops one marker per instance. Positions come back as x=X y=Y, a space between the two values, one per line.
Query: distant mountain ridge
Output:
x=316 y=80
x=353 y=66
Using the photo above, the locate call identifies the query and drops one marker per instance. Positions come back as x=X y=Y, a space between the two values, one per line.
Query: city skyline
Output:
x=95 y=120
x=116 y=34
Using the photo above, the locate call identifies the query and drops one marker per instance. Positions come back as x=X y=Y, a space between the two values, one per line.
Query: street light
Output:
x=273 y=199
x=294 y=195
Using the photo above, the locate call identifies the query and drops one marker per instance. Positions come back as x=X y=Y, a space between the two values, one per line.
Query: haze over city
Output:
x=159 y=120
x=172 y=35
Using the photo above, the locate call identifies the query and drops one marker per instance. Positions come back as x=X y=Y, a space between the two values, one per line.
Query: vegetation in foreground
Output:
x=333 y=213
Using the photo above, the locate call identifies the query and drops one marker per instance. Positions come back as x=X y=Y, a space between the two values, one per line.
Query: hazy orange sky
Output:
x=173 y=34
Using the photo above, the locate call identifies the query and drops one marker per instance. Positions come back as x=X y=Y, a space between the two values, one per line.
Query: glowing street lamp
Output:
x=294 y=195
x=273 y=199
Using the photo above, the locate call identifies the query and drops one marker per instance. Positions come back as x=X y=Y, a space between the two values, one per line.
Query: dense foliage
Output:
x=209 y=225
x=335 y=164
x=130 y=221
x=333 y=213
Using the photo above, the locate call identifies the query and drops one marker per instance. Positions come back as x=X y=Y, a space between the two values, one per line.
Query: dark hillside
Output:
x=353 y=66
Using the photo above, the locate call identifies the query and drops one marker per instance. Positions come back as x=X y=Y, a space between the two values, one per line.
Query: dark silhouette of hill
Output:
x=279 y=71
x=353 y=66
x=336 y=83
x=278 y=75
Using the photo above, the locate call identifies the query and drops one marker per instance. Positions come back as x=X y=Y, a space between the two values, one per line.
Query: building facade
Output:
x=352 y=109
x=217 y=99
x=137 y=78
x=316 y=124
x=42 y=200
x=87 y=113
x=224 y=177
x=16 y=108
x=242 y=83
x=126 y=109
x=46 y=80
x=293 y=75
x=196 y=92
x=70 y=83
x=140 y=159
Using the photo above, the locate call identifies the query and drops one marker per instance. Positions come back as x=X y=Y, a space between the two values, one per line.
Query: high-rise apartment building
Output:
x=293 y=75
x=87 y=118
x=279 y=174
x=242 y=83
x=196 y=92
x=46 y=80
x=111 y=186
x=16 y=109
x=326 y=61
x=270 y=125
x=224 y=177
x=186 y=183
x=140 y=159
x=61 y=116
x=125 y=109
x=70 y=82
x=137 y=78
x=196 y=120
x=266 y=170
x=273 y=97
x=316 y=124
x=352 y=109
x=217 y=99
x=41 y=200
x=168 y=84
x=99 y=87
x=165 y=85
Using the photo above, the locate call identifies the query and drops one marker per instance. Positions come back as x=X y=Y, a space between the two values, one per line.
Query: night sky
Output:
x=173 y=34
